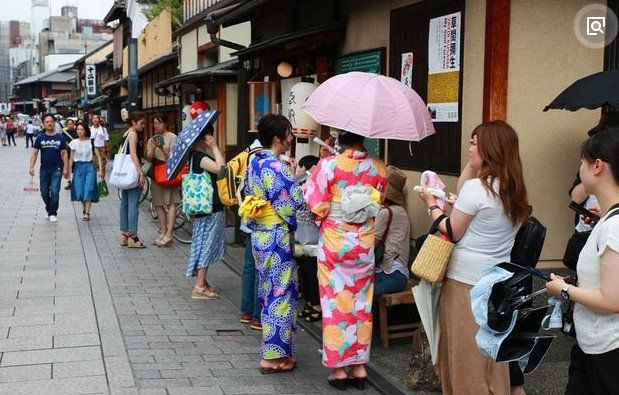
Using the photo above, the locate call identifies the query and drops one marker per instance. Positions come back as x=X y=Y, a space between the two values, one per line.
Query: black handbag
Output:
x=528 y=243
x=572 y=250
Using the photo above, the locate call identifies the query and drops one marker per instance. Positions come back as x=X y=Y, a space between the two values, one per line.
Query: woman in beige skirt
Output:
x=491 y=206
x=164 y=198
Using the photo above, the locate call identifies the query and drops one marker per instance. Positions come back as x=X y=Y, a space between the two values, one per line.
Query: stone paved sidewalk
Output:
x=58 y=328
x=81 y=314
x=183 y=345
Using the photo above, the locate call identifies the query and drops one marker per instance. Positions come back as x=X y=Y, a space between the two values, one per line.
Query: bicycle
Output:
x=183 y=227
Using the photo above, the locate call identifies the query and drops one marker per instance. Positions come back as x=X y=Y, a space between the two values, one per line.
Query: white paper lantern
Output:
x=186 y=116
x=303 y=125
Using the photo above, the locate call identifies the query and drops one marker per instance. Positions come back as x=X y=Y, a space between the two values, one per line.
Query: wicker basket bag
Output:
x=433 y=257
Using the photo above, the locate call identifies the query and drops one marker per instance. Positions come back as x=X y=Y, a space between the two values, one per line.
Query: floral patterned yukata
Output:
x=269 y=211
x=345 y=257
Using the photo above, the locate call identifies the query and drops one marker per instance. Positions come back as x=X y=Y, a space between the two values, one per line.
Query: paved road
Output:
x=81 y=314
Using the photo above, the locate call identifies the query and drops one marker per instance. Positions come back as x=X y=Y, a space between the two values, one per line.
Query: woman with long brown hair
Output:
x=491 y=206
x=158 y=150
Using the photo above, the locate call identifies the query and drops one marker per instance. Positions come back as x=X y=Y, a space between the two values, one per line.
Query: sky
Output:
x=87 y=9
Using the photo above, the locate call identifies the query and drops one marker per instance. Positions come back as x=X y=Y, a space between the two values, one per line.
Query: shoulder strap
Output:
x=434 y=227
x=614 y=210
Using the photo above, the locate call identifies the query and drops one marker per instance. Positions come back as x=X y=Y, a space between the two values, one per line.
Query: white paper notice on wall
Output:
x=444 y=38
x=406 y=74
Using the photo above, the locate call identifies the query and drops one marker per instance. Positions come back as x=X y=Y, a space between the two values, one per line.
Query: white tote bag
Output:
x=124 y=174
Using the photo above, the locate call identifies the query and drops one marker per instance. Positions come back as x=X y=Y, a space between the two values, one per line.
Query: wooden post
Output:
x=221 y=120
x=495 y=59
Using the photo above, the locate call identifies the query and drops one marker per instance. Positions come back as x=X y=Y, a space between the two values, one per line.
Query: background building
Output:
x=67 y=39
x=39 y=21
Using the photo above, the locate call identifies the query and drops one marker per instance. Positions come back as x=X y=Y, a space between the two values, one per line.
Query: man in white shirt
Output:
x=30 y=132
x=100 y=138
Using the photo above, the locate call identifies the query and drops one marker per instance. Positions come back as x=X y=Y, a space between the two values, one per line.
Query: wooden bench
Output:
x=395 y=331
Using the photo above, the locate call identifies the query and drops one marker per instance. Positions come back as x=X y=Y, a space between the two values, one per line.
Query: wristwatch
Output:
x=434 y=207
x=564 y=292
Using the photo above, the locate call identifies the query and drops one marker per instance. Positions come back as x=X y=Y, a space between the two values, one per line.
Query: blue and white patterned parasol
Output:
x=186 y=140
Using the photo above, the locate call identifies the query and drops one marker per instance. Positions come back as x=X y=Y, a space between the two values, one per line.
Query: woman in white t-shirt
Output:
x=84 y=186
x=595 y=360
x=100 y=139
x=491 y=206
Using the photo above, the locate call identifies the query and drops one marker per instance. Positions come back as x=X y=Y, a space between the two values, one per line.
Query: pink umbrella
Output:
x=370 y=105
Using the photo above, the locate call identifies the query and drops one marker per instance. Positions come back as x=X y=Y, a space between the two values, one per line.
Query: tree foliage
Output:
x=175 y=7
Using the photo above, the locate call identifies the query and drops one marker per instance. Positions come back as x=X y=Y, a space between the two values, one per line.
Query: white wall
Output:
x=54 y=60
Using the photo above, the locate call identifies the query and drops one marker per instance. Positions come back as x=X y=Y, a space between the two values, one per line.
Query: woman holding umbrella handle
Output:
x=595 y=359
x=491 y=206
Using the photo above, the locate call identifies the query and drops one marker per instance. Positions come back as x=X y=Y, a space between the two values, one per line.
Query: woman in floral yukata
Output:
x=272 y=197
x=345 y=192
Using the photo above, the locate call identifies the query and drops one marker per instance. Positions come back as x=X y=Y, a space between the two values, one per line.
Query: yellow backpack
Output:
x=231 y=176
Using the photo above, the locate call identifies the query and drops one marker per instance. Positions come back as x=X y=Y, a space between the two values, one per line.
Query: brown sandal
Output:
x=134 y=242
x=124 y=239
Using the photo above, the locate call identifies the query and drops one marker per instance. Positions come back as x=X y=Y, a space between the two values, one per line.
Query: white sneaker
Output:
x=46 y=216
x=52 y=218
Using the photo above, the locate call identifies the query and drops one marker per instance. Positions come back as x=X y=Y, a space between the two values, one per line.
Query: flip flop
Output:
x=281 y=368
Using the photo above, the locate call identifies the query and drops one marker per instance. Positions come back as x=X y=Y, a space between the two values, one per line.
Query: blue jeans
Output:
x=129 y=208
x=250 y=303
x=389 y=283
x=49 y=181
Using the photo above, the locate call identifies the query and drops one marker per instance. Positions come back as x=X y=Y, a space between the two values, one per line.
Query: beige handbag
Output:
x=433 y=257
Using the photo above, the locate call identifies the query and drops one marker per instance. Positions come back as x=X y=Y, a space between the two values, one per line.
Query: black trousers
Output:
x=309 y=275
x=29 y=138
x=11 y=136
x=594 y=374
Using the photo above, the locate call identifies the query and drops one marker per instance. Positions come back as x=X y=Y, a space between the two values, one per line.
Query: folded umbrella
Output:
x=370 y=105
x=186 y=140
x=426 y=296
x=507 y=331
x=590 y=92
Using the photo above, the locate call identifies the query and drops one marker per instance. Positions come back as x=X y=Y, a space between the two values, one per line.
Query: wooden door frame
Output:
x=496 y=56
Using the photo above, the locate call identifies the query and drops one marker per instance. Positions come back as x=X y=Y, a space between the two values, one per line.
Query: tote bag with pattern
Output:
x=197 y=192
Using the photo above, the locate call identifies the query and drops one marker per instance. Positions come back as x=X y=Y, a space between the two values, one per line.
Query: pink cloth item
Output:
x=430 y=179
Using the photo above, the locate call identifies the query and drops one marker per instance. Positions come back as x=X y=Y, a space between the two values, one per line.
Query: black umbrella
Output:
x=591 y=92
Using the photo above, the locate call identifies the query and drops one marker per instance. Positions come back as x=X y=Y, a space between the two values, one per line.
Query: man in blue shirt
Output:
x=54 y=164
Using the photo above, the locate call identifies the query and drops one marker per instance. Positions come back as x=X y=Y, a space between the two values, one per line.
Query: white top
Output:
x=596 y=332
x=99 y=135
x=581 y=226
x=82 y=150
x=30 y=129
x=489 y=238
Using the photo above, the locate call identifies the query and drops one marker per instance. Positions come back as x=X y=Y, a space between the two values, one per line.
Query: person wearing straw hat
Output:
x=392 y=237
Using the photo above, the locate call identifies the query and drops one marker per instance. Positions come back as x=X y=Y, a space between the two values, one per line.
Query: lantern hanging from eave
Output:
x=303 y=125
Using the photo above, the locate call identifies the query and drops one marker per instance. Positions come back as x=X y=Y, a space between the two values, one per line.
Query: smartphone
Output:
x=159 y=139
x=584 y=212
x=301 y=178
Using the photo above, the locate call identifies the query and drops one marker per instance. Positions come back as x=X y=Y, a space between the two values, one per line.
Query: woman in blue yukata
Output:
x=272 y=197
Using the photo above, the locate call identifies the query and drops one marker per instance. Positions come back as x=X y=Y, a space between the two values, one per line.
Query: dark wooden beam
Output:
x=495 y=59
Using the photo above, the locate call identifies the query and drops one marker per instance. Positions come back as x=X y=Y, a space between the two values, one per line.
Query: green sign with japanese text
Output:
x=368 y=62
